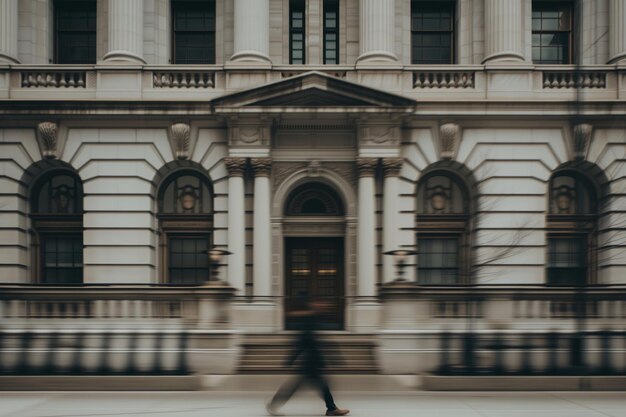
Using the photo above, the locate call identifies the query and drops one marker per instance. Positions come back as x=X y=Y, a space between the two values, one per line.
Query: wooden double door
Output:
x=314 y=270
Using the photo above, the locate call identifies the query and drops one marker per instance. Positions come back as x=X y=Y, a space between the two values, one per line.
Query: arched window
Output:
x=571 y=229
x=57 y=214
x=314 y=199
x=185 y=204
x=442 y=229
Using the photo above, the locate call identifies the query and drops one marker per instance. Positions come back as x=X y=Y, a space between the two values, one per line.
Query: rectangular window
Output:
x=331 y=31
x=296 y=31
x=552 y=32
x=188 y=264
x=62 y=259
x=194 y=32
x=566 y=261
x=75 y=32
x=432 y=32
x=438 y=261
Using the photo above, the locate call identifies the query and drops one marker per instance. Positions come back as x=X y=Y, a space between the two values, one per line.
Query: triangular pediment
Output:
x=312 y=89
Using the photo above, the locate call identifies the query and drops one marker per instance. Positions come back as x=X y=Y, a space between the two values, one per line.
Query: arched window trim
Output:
x=52 y=230
x=577 y=229
x=308 y=191
x=184 y=235
x=444 y=228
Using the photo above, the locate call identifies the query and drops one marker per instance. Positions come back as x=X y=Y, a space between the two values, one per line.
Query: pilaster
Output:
x=617 y=31
x=252 y=38
x=236 y=223
x=366 y=246
x=8 y=31
x=391 y=171
x=262 y=242
x=125 y=32
x=503 y=31
x=377 y=27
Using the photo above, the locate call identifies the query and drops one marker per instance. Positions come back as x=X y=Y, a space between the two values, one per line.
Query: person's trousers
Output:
x=287 y=390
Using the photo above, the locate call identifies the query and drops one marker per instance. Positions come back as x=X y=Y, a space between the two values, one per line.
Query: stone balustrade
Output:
x=467 y=83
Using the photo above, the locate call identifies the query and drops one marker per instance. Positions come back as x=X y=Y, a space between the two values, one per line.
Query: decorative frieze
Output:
x=252 y=134
x=581 y=138
x=449 y=137
x=385 y=134
x=236 y=166
x=367 y=166
x=180 y=134
x=47 y=137
x=392 y=166
x=262 y=167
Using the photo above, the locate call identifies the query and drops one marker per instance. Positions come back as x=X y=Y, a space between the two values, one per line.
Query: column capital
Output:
x=367 y=166
x=235 y=166
x=262 y=167
x=392 y=166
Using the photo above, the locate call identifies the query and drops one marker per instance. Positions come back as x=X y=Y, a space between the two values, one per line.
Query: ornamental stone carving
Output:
x=581 y=138
x=249 y=135
x=236 y=166
x=379 y=134
x=367 y=166
x=180 y=134
x=313 y=170
x=392 y=166
x=449 y=135
x=47 y=138
x=262 y=167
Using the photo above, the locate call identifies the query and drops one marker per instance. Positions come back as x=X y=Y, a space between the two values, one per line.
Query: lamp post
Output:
x=215 y=261
x=400 y=260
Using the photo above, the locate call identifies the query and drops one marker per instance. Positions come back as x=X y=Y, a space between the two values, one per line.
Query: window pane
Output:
x=75 y=32
x=438 y=261
x=194 y=32
x=62 y=259
x=187 y=263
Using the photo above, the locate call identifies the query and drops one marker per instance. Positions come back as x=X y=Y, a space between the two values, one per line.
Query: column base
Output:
x=247 y=58
x=377 y=58
x=123 y=57
x=618 y=59
x=507 y=56
x=4 y=58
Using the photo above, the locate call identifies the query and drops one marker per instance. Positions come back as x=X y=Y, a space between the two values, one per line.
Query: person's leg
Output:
x=285 y=392
x=320 y=383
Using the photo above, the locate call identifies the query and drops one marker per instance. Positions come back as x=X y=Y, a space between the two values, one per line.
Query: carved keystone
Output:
x=180 y=138
x=581 y=137
x=47 y=138
x=449 y=134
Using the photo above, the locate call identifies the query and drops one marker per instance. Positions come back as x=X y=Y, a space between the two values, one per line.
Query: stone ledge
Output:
x=100 y=383
x=523 y=383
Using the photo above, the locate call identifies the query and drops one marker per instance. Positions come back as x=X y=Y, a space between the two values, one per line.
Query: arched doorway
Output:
x=314 y=255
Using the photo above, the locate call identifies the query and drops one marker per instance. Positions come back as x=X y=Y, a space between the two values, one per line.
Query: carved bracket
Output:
x=47 y=137
x=180 y=134
x=449 y=138
x=581 y=138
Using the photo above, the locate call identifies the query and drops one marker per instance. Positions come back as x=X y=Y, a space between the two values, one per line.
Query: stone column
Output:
x=377 y=27
x=262 y=250
x=391 y=170
x=236 y=223
x=366 y=232
x=252 y=36
x=8 y=31
x=617 y=31
x=125 y=32
x=503 y=31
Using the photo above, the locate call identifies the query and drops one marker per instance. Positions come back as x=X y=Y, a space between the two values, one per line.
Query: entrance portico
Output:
x=319 y=141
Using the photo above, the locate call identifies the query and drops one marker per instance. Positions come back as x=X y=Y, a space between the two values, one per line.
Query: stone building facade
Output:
x=314 y=136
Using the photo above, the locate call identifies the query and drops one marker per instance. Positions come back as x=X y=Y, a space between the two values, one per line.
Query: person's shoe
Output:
x=337 y=412
x=272 y=411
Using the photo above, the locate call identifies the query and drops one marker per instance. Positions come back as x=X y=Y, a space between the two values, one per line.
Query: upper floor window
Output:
x=552 y=32
x=432 y=32
x=331 y=31
x=56 y=203
x=442 y=229
x=296 y=31
x=193 y=31
x=75 y=31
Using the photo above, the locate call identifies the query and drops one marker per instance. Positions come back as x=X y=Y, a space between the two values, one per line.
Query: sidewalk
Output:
x=243 y=404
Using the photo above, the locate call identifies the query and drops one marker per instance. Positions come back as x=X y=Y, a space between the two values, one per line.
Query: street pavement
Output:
x=365 y=404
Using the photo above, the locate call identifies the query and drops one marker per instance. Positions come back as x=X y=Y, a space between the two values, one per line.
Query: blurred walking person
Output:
x=308 y=348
